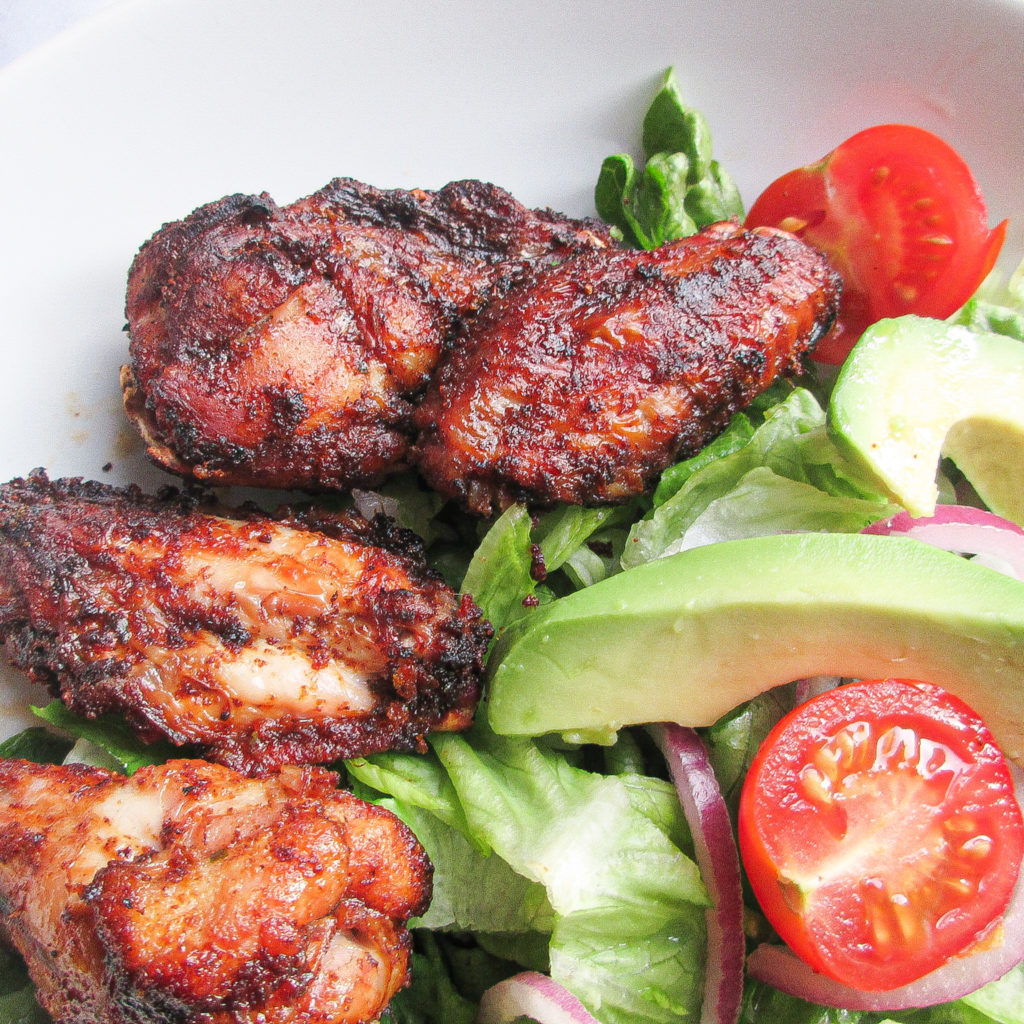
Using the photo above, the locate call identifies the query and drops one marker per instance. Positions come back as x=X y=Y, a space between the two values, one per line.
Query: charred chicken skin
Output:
x=584 y=381
x=190 y=893
x=283 y=346
x=259 y=640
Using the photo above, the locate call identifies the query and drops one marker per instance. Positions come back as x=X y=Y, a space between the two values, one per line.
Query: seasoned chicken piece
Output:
x=261 y=641
x=190 y=893
x=281 y=347
x=584 y=381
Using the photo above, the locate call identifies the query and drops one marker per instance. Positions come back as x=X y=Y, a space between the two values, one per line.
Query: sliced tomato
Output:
x=880 y=831
x=903 y=220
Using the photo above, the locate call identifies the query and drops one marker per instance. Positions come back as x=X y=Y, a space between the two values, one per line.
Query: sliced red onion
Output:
x=719 y=863
x=974 y=531
x=780 y=967
x=371 y=503
x=533 y=995
x=813 y=686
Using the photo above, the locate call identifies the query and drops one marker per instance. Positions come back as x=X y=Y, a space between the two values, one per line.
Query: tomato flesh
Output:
x=903 y=220
x=880 y=831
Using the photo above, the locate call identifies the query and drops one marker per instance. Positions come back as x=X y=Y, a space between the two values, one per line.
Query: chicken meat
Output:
x=193 y=894
x=285 y=346
x=258 y=640
x=583 y=382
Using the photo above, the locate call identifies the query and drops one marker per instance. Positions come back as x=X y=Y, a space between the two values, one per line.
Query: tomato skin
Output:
x=903 y=220
x=880 y=831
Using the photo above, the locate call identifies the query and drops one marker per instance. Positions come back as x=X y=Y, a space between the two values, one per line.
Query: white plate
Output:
x=156 y=106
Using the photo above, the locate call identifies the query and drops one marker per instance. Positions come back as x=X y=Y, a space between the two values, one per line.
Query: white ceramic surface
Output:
x=26 y=24
x=153 y=107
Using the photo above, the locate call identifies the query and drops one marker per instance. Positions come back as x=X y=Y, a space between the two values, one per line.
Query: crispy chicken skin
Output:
x=282 y=346
x=582 y=382
x=259 y=640
x=190 y=893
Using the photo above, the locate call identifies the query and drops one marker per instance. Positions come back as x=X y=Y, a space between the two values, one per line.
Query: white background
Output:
x=25 y=24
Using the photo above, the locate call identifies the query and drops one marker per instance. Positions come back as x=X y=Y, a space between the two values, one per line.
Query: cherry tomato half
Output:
x=880 y=831
x=903 y=220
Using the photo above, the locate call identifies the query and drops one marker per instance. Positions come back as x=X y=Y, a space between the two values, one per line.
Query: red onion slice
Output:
x=813 y=686
x=533 y=995
x=966 y=530
x=780 y=967
x=719 y=863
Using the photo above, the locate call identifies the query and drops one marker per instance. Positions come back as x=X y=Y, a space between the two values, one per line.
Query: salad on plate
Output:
x=749 y=743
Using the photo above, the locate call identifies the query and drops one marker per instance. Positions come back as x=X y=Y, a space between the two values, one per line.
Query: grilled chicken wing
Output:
x=584 y=381
x=190 y=893
x=259 y=640
x=280 y=347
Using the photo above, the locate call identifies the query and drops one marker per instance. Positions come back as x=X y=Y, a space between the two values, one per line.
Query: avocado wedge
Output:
x=914 y=389
x=687 y=638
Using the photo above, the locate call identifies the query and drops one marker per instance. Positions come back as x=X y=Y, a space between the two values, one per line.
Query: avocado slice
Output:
x=913 y=389
x=686 y=638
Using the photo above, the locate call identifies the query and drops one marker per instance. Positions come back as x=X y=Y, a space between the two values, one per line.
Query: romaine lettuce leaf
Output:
x=110 y=733
x=500 y=575
x=17 y=994
x=784 y=475
x=998 y=307
x=733 y=741
x=1001 y=1001
x=473 y=892
x=36 y=744
x=433 y=997
x=627 y=924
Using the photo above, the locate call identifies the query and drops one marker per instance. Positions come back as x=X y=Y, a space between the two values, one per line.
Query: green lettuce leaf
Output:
x=785 y=475
x=473 y=892
x=735 y=738
x=1001 y=1001
x=679 y=188
x=17 y=994
x=500 y=576
x=433 y=997
x=407 y=500
x=111 y=734
x=36 y=744
x=623 y=901
x=563 y=531
x=998 y=306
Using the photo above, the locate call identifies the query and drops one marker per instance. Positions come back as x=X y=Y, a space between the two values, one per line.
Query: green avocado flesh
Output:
x=914 y=389
x=687 y=638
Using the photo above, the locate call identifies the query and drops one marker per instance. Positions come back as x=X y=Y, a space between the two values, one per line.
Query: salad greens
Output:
x=17 y=1000
x=784 y=475
x=557 y=855
x=680 y=187
x=618 y=901
x=997 y=307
